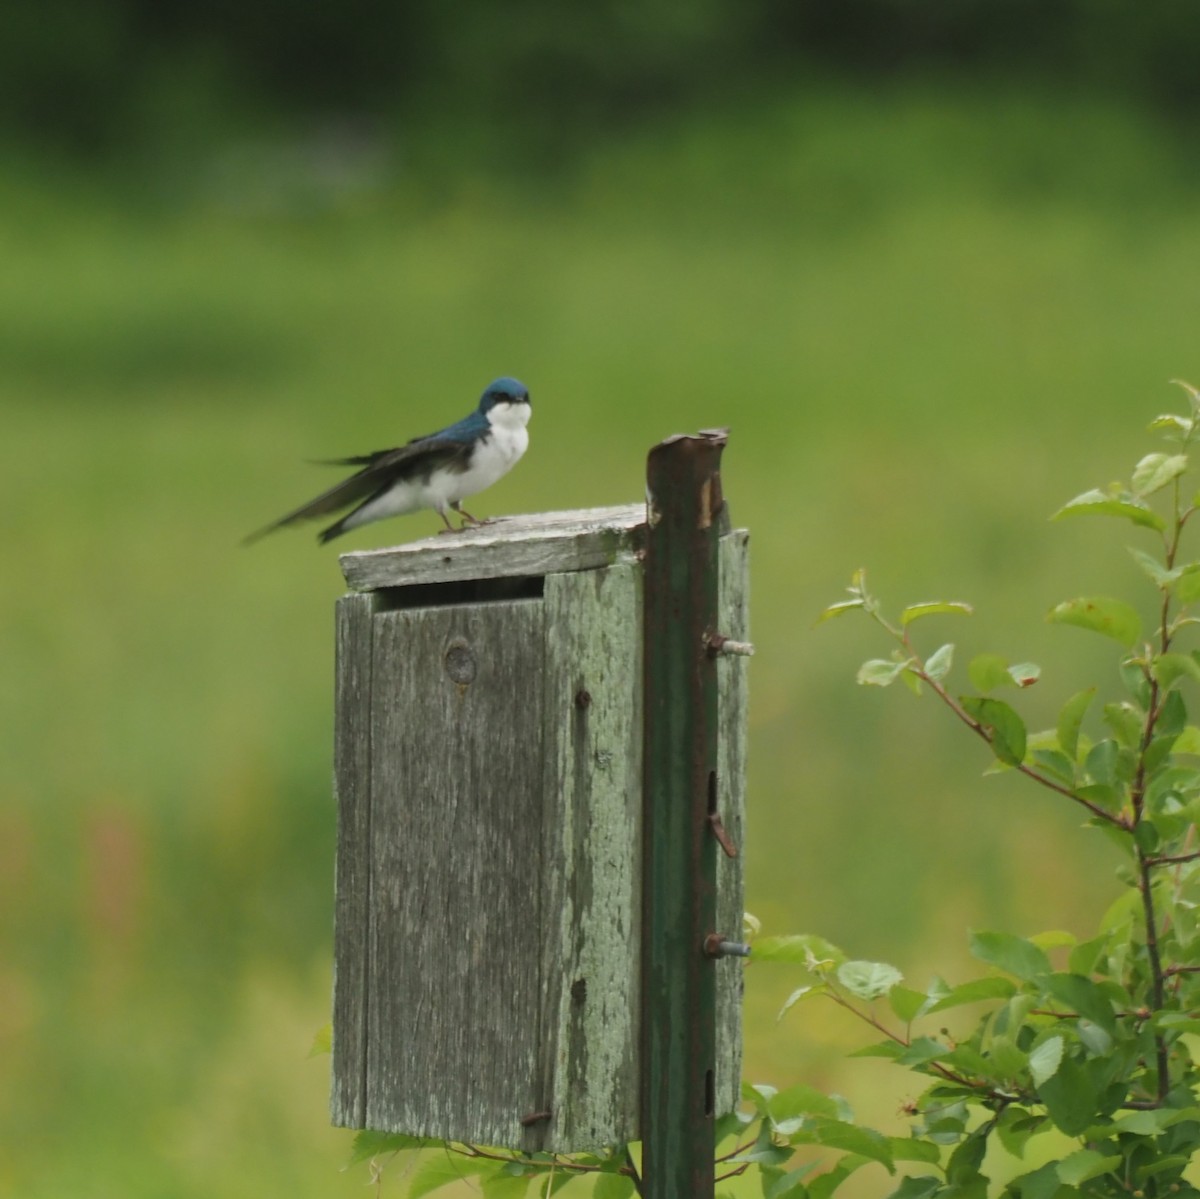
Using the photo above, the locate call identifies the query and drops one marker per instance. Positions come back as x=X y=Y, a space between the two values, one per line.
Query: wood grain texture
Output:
x=539 y=544
x=454 y=986
x=352 y=781
x=733 y=606
x=592 y=860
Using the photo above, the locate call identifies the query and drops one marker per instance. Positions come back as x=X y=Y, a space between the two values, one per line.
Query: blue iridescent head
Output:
x=503 y=391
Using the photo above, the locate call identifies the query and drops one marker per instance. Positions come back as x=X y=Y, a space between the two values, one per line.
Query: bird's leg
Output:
x=467 y=517
x=446 y=521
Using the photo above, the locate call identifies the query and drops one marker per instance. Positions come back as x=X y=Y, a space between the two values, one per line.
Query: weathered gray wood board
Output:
x=351 y=764
x=541 y=544
x=453 y=992
x=591 y=868
x=488 y=769
x=733 y=603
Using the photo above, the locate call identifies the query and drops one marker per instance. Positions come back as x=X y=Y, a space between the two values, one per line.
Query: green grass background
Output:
x=929 y=315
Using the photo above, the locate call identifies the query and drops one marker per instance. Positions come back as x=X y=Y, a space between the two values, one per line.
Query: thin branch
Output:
x=949 y=1075
x=724 y=1157
x=1170 y=859
x=732 y=1173
x=977 y=728
x=631 y=1171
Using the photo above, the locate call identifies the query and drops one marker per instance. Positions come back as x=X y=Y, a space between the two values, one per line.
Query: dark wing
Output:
x=380 y=471
x=379 y=455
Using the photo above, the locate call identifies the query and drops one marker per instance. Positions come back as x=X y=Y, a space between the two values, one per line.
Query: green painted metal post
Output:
x=686 y=518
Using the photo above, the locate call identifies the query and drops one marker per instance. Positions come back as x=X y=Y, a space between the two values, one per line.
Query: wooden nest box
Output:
x=489 y=761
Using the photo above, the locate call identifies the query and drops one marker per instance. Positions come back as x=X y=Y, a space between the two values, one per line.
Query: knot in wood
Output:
x=460 y=663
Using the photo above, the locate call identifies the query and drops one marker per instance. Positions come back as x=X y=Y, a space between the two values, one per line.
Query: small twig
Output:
x=949 y=1075
x=631 y=1171
x=1171 y=859
x=976 y=727
x=733 y=1173
x=724 y=1157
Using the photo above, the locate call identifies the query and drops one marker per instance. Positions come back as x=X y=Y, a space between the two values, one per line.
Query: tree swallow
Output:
x=436 y=471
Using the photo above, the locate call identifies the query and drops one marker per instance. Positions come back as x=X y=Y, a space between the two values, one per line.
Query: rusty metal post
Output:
x=685 y=520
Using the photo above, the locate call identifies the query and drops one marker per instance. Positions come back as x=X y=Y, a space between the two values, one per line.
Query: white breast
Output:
x=494 y=457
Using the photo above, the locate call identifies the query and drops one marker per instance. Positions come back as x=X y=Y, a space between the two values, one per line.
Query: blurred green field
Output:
x=929 y=316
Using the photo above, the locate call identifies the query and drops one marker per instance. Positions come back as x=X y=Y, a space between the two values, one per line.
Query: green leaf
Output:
x=923 y=1049
x=882 y=672
x=1006 y=730
x=1187 y=589
x=1044 y=1059
x=1042 y=1183
x=1180 y=426
x=888 y=1049
x=1014 y=955
x=1086 y=1164
x=826 y=1183
x=1112 y=503
x=938 y=664
x=1101 y=762
x=850 y=1138
x=1134 y=679
x=906 y=1003
x=1112 y=617
x=1126 y=722
x=935 y=608
x=796 y=996
x=760 y=1094
x=614 y=1186
x=1016 y=1128
x=1156 y=571
x=840 y=609
x=1188 y=742
x=911 y=1149
x=322 y=1041
x=1025 y=674
x=765 y=1152
x=921 y=1186
x=1085 y=957
x=1172 y=717
x=1006 y=1059
x=1168 y=669
x=801 y=1100
x=441 y=1169
x=1193 y=394
x=504 y=1185
x=868 y=980
x=801 y=949
x=989 y=671
x=1071 y=1097
x=1056 y=764
x=978 y=990
x=963 y=1165
x=1155 y=471
x=788 y=1181
x=1054 y=938
x=369 y=1144
x=1070 y=719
